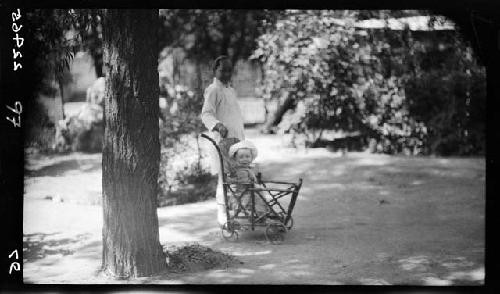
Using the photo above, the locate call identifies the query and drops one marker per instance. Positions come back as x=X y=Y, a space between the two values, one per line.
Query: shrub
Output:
x=184 y=171
x=183 y=176
x=406 y=92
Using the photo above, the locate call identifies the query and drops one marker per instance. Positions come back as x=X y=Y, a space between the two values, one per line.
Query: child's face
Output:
x=243 y=156
x=224 y=71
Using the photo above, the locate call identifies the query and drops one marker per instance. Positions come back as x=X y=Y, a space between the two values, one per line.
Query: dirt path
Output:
x=360 y=219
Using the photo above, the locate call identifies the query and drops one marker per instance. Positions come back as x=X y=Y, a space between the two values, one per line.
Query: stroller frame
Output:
x=281 y=217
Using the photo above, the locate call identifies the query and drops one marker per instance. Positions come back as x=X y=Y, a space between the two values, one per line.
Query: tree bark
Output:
x=97 y=50
x=97 y=57
x=241 y=40
x=199 y=76
x=61 y=92
x=276 y=117
x=131 y=150
x=226 y=33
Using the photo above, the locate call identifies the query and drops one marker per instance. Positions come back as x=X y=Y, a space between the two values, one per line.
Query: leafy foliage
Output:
x=53 y=36
x=47 y=52
x=444 y=89
x=451 y=101
x=373 y=81
x=206 y=33
x=56 y=35
x=87 y=23
x=309 y=54
x=183 y=176
x=50 y=36
x=200 y=35
x=181 y=114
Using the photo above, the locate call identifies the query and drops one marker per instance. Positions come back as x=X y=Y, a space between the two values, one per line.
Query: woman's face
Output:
x=243 y=156
x=224 y=71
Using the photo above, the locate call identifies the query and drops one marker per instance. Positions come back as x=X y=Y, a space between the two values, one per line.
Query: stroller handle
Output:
x=209 y=139
x=218 y=151
x=224 y=179
x=216 y=147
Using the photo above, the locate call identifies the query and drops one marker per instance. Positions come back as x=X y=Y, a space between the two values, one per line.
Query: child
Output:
x=243 y=176
x=224 y=145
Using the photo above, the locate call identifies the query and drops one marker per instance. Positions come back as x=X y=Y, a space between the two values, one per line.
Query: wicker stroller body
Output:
x=277 y=219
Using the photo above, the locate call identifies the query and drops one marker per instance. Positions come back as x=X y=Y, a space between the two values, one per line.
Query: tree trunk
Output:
x=199 y=77
x=198 y=147
x=241 y=40
x=226 y=33
x=176 y=66
x=97 y=50
x=276 y=117
x=61 y=92
x=131 y=151
x=97 y=57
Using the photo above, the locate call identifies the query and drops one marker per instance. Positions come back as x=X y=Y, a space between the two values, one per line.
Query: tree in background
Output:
x=374 y=81
x=46 y=30
x=313 y=57
x=180 y=128
x=131 y=152
x=196 y=37
x=204 y=34
x=88 y=25
x=446 y=90
x=54 y=36
x=443 y=87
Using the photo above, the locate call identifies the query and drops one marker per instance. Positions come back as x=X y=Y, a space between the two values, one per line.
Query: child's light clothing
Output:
x=224 y=146
x=241 y=177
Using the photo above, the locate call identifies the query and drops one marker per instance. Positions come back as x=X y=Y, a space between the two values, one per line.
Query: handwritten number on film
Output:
x=19 y=41
x=15 y=265
x=17 y=109
x=17 y=55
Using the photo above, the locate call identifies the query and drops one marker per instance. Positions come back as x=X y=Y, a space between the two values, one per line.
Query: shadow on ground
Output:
x=40 y=245
x=63 y=167
x=359 y=219
x=442 y=270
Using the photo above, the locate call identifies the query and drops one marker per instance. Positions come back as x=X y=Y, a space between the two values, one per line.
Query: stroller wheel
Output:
x=275 y=233
x=289 y=224
x=229 y=232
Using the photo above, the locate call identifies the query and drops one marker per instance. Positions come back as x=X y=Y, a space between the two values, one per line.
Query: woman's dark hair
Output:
x=218 y=61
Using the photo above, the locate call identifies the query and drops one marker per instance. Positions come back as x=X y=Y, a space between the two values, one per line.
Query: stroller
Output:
x=277 y=219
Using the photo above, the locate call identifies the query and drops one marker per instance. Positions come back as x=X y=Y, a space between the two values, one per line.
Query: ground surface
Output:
x=359 y=219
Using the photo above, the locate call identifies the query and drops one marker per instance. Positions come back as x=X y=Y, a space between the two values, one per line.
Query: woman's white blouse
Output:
x=221 y=105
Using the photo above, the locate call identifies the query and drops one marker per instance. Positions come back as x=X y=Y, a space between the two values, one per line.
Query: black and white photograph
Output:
x=248 y=146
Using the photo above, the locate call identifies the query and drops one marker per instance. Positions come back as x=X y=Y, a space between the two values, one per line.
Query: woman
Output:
x=222 y=115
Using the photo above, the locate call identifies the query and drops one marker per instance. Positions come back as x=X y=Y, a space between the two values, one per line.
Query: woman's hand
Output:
x=219 y=127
